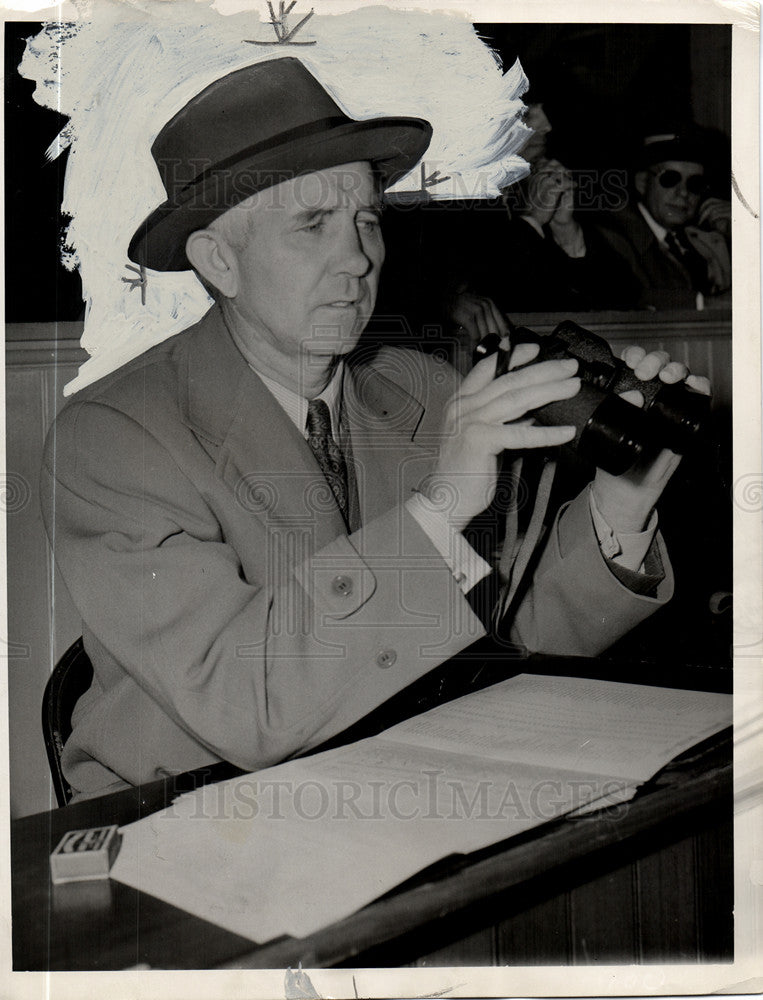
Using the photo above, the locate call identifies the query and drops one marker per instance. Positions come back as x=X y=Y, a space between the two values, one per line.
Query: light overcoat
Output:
x=227 y=613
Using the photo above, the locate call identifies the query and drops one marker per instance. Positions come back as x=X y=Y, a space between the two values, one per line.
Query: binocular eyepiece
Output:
x=610 y=432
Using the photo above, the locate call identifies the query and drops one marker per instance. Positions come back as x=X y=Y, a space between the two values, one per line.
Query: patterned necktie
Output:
x=327 y=452
x=681 y=248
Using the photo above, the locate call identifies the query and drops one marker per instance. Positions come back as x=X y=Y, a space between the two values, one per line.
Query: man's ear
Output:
x=639 y=181
x=213 y=258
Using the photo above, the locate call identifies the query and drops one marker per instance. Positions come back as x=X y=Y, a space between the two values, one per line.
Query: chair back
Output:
x=71 y=677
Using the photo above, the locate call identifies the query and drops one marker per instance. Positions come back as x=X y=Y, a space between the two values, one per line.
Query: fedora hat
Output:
x=248 y=131
x=687 y=144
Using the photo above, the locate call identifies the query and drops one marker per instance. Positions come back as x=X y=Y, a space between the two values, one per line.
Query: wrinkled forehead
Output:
x=345 y=185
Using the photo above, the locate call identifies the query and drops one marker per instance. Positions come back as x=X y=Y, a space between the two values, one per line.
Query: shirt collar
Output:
x=295 y=406
x=659 y=231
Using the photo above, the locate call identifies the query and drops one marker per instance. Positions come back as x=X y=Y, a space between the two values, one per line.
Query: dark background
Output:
x=37 y=286
x=604 y=86
x=601 y=85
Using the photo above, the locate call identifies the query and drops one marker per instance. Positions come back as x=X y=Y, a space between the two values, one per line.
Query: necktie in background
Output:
x=681 y=248
x=328 y=453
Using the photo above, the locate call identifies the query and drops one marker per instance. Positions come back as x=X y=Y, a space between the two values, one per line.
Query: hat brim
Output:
x=680 y=149
x=392 y=145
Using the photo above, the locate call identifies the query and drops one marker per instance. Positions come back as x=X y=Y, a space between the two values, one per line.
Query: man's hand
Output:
x=715 y=214
x=565 y=229
x=487 y=416
x=626 y=502
x=550 y=189
x=477 y=315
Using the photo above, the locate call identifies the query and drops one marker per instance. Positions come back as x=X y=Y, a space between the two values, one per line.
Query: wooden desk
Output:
x=651 y=881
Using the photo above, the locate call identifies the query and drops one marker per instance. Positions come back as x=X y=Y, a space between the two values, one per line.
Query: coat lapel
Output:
x=266 y=462
x=258 y=451
x=649 y=248
x=384 y=422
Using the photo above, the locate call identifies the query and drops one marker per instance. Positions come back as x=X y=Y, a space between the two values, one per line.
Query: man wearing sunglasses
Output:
x=674 y=238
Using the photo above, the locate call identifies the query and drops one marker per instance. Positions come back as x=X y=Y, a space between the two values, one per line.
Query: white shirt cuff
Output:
x=627 y=548
x=466 y=565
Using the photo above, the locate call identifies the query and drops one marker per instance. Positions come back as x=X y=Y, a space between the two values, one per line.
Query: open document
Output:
x=293 y=848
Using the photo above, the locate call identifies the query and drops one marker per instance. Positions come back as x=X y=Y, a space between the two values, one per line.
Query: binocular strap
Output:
x=513 y=569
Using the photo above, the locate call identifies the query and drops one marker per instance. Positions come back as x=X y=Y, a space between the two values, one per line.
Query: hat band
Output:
x=186 y=192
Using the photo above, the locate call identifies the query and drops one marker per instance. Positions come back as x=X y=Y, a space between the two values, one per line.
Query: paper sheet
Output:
x=627 y=730
x=296 y=847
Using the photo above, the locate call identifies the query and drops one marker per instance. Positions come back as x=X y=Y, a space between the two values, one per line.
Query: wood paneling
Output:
x=603 y=922
x=42 y=620
x=538 y=936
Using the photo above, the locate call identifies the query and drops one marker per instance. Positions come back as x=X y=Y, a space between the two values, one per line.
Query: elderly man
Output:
x=675 y=243
x=262 y=523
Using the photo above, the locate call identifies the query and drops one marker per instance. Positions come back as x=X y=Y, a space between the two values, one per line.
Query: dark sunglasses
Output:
x=696 y=184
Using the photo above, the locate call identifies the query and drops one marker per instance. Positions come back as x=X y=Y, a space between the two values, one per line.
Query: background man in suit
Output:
x=265 y=526
x=676 y=243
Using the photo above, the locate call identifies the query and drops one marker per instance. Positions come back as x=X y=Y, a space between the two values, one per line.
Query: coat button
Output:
x=342 y=585
x=386 y=658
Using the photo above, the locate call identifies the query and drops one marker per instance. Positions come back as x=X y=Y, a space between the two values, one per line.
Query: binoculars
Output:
x=610 y=432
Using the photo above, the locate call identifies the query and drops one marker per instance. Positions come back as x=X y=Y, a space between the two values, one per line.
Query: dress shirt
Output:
x=626 y=548
x=295 y=406
x=659 y=231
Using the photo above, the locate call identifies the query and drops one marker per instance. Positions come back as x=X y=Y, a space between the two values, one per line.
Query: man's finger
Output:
x=651 y=365
x=479 y=377
x=503 y=388
x=497 y=321
x=633 y=355
x=543 y=371
x=674 y=372
x=483 y=314
x=481 y=326
x=632 y=396
x=523 y=354
x=483 y=374
x=515 y=404
x=714 y=209
x=518 y=437
x=700 y=384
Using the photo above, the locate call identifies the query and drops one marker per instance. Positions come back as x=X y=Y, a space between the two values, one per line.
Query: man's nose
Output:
x=351 y=254
x=542 y=124
x=683 y=191
x=537 y=120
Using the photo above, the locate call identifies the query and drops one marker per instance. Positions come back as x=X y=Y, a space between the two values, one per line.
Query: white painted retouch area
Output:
x=123 y=70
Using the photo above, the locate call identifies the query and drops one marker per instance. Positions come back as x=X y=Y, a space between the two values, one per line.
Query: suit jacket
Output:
x=227 y=613
x=663 y=282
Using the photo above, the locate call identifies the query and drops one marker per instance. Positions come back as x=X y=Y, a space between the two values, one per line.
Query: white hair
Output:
x=236 y=224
